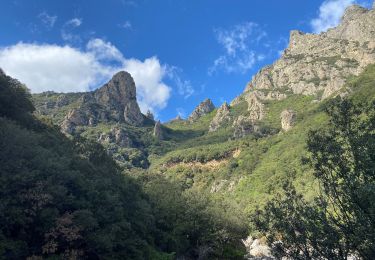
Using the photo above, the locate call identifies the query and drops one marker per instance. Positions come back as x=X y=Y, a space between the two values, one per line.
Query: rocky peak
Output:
x=317 y=64
x=115 y=101
x=119 y=95
x=203 y=108
x=357 y=24
x=351 y=12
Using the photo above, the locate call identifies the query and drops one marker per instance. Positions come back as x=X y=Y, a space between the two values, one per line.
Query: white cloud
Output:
x=238 y=43
x=126 y=25
x=75 y=22
x=104 y=51
x=48 y=20
x=44 y=67
x=330 y=13
x=148 y=75
x=184 y=87
x=67 y=31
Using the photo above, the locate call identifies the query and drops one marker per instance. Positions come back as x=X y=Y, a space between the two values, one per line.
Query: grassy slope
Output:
x=257 y=173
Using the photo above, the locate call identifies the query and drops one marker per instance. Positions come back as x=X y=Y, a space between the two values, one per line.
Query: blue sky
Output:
x=178 y=51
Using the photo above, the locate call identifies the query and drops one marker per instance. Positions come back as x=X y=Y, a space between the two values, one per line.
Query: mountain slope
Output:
x=238 y=155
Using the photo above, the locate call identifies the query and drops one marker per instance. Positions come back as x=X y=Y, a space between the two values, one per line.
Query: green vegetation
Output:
x=340 y=221
x=189 y=194
x=66 y=198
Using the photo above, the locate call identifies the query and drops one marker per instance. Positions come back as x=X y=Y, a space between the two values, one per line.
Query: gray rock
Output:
x=203 y=108
x=257 y=249
x=119 y=96
x=114 y=101
x=116 y=136
x=61 y=101
x=243 y=126
x=288 y=118
x=319 y=64
x=75 y=117
x=222 y=117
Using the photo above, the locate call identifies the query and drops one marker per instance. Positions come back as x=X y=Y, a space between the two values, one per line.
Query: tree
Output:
x=341 y=220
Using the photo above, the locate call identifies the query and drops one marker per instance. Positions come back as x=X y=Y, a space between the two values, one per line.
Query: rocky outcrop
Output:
x=203 y=108
x=288 y=119
x=243 y=126
x=357 y=24
x=222 y=117
x=255 y=106
x=319 y=64
x=116 y=135
x=158 y=131
x=113 y=102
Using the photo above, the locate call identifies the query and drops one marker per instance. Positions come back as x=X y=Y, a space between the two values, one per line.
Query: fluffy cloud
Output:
x=148 y=75
x=237 y=43
x=44 y=67
x=330 y=13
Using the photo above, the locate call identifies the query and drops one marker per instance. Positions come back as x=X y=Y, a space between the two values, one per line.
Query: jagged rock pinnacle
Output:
x=119 y=94
x=203 y=108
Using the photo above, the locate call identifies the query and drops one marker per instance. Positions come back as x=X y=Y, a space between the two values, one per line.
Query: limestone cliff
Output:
x=115 y=101
x=315 y=64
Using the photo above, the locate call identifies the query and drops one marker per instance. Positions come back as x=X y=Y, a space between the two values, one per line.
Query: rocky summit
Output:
x=119 y=96
x=203 y=108
x=115 y=101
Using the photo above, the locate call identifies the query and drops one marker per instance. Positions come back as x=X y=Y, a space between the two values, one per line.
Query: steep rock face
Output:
x=313 y=64
x=319 y=64
x=255 y=107
x=357 y=25
x=115 y=101
x=119 y=96
x=202 y=109
x=221 y=117
x=288 y=118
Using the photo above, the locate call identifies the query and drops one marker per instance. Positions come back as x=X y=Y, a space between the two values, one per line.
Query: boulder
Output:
x=288 y=118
